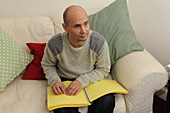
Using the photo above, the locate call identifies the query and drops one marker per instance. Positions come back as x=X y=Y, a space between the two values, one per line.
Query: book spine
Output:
x=87 y=95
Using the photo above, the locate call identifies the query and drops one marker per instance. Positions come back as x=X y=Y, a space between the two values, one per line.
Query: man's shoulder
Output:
x=97 y=41
x=97 y=35
x=55 y=39
x=55 y=44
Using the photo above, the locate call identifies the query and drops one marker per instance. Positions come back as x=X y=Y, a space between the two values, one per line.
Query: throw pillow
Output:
x=34 y=70
x=13 y=59
x=113 y=23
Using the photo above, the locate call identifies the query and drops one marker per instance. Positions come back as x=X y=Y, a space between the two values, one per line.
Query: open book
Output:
x=85 y=96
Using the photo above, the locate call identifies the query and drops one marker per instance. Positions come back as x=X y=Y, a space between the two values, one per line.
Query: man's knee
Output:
x=108 y=101
x=104 y=104
x=66 y=110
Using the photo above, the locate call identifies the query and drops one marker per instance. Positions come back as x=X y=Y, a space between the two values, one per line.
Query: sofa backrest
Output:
x=28 y=29
x=41 y=29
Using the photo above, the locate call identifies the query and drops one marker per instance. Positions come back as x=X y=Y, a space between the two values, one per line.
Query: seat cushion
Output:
x=24 y=96
x=29 y=96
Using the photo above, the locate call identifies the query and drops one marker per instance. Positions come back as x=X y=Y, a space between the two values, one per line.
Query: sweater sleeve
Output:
x=49 y=66
x=101 y=69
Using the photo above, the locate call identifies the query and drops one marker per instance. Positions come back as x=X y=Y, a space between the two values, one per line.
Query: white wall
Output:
x=151 y=22
x=20 y=8
x=150 y=19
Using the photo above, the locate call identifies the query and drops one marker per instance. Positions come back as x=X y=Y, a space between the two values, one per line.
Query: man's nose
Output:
x=83 y=29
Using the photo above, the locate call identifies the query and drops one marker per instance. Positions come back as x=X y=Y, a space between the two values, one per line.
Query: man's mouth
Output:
x=83 y=36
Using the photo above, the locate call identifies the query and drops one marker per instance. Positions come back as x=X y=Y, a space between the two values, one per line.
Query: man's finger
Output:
x=72 y=90
x=63 y=89
x=77 y=92
x=52 y=91
x=59 y=90
x=55 y=91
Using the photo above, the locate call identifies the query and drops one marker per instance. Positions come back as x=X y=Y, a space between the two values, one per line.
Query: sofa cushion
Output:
x=13 y=59
x=34 y=70
x=28 y=29
x=113 y=23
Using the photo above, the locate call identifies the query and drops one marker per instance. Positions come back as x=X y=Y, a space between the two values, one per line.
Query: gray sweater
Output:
x=87 y=64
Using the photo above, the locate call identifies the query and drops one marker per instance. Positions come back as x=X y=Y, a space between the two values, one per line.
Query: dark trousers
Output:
x=104 y=104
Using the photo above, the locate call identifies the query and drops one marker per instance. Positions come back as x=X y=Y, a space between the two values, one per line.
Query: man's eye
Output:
x=76 y=26
x=86 y=23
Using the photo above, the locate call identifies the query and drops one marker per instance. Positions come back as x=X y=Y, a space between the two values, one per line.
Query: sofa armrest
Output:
x=141 y=74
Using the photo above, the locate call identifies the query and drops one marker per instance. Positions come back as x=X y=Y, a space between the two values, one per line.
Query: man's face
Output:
x=77 y=28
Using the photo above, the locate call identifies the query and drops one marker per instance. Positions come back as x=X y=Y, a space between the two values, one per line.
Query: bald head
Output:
x=73 y=10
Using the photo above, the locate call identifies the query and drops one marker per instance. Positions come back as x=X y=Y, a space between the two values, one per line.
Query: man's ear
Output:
x=65 y=27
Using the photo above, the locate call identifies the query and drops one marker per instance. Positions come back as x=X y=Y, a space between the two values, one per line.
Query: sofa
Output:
x=23 y=83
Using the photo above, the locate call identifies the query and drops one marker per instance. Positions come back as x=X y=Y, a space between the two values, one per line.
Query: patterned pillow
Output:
x=113 y=23
x=13 y=59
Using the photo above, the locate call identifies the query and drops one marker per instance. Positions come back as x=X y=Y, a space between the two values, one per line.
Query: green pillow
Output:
x=13 y=59
x=113 y=23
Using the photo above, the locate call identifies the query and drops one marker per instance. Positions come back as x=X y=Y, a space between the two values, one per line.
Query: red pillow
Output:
x=34 y=70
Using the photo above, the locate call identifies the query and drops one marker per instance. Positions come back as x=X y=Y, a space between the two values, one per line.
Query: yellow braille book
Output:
x=85 y=96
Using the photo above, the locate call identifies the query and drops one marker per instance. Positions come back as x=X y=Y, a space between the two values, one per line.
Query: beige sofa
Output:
x=146 y=74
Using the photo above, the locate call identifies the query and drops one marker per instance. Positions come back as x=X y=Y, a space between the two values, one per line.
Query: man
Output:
x=79 y=55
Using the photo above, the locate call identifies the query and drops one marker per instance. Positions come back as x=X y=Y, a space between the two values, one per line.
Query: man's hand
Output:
x=58 y=88
x=74 y=88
